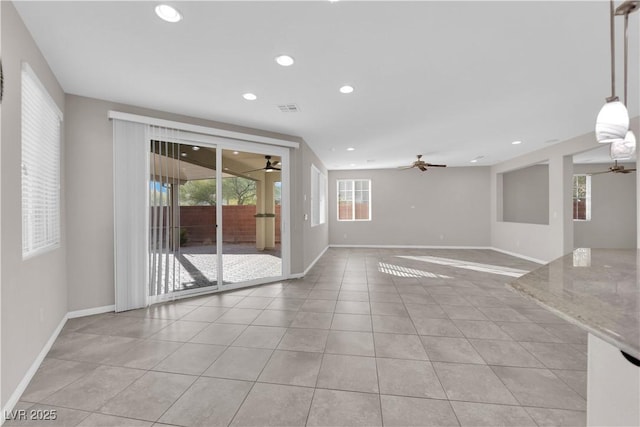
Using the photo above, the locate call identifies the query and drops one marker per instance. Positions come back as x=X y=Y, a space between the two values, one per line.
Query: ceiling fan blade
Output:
x=436 y=166
x=405 y=167
x=254 y=170
x=598 y=173
x=422 y=168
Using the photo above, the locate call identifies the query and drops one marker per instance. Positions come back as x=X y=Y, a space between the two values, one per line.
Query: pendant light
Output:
x=612 y=122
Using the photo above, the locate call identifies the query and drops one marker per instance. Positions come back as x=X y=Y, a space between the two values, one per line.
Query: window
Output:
x=354 y=200
x=41 y=121
x=318 y=197
x=582 y=197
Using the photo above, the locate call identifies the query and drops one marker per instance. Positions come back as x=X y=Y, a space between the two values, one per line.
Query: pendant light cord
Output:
x=613 y=50
x=626 y=54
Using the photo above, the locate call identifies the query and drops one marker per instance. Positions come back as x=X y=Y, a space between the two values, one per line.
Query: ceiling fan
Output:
x=269 y=167
x=421 y=164
x=615 y=169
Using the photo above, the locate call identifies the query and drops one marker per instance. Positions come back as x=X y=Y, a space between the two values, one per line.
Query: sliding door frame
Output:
x=222 y=143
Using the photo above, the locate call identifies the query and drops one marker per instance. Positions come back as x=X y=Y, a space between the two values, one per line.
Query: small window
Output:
x=582 y=197
x=318 y=197
x=354 y=200
x=41 y=122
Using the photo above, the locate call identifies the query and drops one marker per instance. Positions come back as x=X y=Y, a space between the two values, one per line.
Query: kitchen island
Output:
x=599 y=291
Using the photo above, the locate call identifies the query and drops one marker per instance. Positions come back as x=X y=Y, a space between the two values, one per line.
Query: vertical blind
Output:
x=131 y=213
x=41 y=123
x=164 y=230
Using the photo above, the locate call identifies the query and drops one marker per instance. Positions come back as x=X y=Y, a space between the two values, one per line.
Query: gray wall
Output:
x=440 y=207
x=34 y=292
x=89 y=159
x=315 y=239
x=525 y=195
x=613 y=210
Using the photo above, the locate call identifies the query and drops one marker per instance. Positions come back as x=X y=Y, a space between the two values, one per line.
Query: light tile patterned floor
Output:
x=369 y=337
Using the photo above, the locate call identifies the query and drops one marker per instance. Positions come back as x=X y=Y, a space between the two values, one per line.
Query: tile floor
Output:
x=369 y=337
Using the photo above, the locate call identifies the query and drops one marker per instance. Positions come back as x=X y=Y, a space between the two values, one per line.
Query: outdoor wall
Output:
x=34 y=291
x=525 y=195
x=89 y=155
x=239 y=223
x=613 y=210
x=440 y=207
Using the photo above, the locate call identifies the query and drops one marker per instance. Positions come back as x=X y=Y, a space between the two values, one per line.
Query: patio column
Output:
x=269 y=210
x=260 y=219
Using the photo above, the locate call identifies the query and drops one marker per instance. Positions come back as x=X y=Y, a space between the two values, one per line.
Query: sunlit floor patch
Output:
x=468 y=265
x=400 y=271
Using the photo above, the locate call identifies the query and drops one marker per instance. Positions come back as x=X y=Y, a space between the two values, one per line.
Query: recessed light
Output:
x=236 y=152
x=183 y=154
x=250 y=96
x=474 y=161
x=351 y=149
x=516 y=142
x=284 y=60
x=195 y=148
x=346 y=89
x=168 y=13
x=352 y=164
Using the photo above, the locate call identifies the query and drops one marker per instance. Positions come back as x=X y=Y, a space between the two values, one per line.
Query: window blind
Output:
x=41 y=123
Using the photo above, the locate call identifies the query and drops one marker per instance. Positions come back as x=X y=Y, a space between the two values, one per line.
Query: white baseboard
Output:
x=90 y=311
x=22 y=386
x=313 y=263
x=517 y=255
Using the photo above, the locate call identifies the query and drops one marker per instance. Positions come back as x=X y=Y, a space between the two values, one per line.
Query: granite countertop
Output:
x=596 y=289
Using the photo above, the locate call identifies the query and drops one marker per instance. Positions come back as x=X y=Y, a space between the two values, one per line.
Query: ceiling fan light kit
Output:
x=269 y=167
x=612 y=123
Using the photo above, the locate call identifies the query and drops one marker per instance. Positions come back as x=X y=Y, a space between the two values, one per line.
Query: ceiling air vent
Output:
x=288 y=108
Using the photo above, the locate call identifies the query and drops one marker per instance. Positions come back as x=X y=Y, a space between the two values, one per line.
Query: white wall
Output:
x=613 y=210
x=440 y=207
x=525 y=195
x=542 y=242
x=34 y=292
x=89 y=137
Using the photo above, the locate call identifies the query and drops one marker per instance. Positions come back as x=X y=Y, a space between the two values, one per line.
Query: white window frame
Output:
x=587 y=196
x=41 y=127
x=353 y=199
x=318 y=197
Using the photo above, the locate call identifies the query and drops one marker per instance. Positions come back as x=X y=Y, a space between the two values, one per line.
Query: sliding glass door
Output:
x=182 y=218
x=251 y=223
x=210 y=227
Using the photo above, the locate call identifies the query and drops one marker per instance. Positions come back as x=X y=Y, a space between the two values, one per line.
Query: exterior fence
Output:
x=197 y=224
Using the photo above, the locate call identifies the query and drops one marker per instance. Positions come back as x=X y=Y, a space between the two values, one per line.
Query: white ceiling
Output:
x=450 y=80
